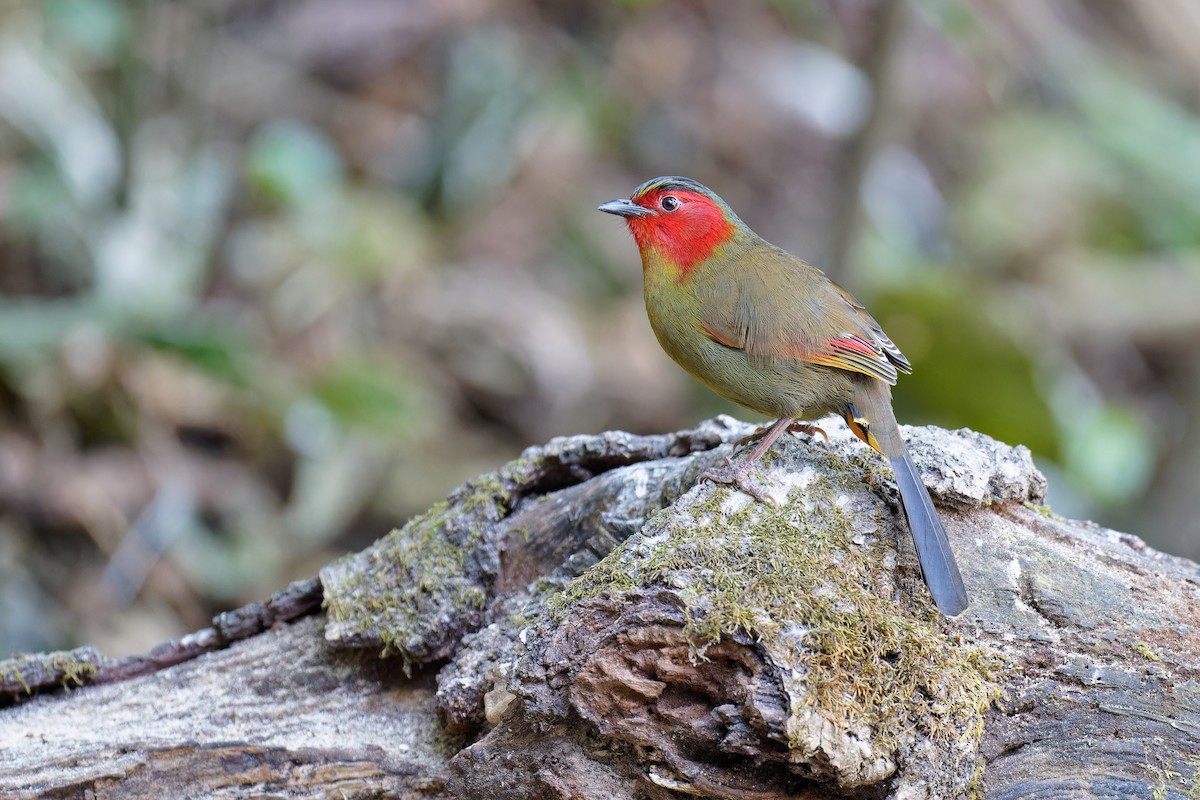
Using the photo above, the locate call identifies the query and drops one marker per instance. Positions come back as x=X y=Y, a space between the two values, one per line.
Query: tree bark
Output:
x=589 y=622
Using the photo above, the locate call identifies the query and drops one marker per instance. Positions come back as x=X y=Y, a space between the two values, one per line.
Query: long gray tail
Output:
x=933 y=548
x=874 y=401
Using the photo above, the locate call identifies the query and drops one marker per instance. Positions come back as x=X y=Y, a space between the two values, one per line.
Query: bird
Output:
x=767 y=331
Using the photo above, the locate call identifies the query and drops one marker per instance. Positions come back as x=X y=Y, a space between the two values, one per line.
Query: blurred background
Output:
x=275 y=276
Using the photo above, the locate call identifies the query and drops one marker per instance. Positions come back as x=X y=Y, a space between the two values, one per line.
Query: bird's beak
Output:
x=624 y=208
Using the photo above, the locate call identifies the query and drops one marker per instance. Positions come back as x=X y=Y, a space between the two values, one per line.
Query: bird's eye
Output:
x=669 y=203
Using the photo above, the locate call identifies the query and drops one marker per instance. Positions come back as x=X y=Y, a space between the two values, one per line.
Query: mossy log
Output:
x=588 y=622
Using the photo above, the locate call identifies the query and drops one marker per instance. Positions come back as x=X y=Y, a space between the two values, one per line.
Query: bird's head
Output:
x=676 y=219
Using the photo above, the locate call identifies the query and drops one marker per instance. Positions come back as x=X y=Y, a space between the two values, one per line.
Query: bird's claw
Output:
x=740 y=478
x=811 y=430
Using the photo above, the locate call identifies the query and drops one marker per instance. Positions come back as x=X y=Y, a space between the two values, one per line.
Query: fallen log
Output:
x=589 y=622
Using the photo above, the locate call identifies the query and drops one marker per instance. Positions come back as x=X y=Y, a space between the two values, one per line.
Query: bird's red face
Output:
x=682 y=224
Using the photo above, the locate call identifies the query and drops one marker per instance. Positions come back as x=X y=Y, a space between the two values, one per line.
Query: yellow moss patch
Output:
x=1143 y=650
x=71 y=671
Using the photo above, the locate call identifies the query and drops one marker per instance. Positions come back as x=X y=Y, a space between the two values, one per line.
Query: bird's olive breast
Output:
x=775 y=387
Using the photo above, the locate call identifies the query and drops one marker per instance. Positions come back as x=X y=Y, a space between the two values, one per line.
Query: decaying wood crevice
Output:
x=587 y=622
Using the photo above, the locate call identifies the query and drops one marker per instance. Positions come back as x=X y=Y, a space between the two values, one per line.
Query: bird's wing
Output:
x=776 y=307
x=880 y=339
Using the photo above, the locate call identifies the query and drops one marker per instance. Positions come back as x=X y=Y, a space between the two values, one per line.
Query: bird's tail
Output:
x=872 y=421
x=933 y=548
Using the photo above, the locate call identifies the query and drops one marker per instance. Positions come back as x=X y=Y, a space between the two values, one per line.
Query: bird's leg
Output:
x=794 y=427
x=739 y=476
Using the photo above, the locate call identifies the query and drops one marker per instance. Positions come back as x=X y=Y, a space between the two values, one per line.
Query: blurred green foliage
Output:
x=275 y=277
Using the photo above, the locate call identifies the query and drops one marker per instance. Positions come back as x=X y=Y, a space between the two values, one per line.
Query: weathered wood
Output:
x=24 y=675
x=280 y=713
x=586 y=623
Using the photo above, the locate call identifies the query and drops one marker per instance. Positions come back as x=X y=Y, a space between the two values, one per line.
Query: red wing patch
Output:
x=855 y=354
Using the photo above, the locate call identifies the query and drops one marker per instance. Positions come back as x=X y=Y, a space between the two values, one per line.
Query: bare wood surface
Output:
x=586 y=623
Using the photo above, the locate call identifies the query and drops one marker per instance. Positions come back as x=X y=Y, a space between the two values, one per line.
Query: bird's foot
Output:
x=739 y=476
x=795 y=427
x=811 y=430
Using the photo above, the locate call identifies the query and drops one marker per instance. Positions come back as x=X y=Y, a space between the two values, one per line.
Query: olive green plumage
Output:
x=733 y=330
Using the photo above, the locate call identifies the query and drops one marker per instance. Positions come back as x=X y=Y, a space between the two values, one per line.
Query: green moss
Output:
x=519 y=471
x=1044 y=510
x=1167 y=782
x=976 y=787
x=403 y=590
x=73 y=671
x=808 y=581
x=11 y=673
x=1144 y=650
x=61 y=667
x=485 y=493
